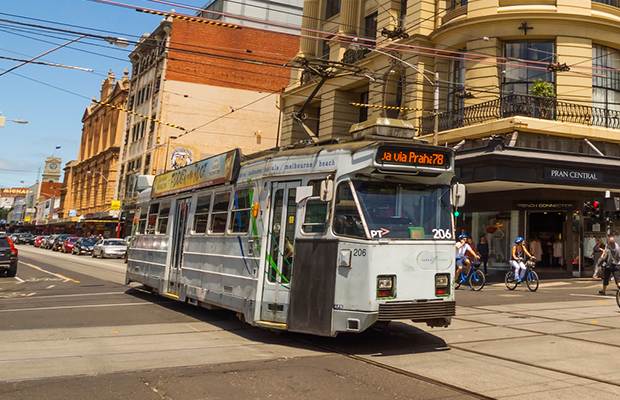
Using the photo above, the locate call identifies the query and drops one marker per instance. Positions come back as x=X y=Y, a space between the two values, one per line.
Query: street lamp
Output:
x=18 y=121
x=418 y=70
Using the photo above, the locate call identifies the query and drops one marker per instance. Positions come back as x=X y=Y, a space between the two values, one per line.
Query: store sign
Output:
x=116 y=205
x=212 y=171
x=13 y=192
x=544 y=205
x=573 y=175
x=412 y=157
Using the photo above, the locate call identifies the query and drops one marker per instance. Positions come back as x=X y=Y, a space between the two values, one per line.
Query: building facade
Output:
x=91 y=181
x=528 y=91
x=203 y=90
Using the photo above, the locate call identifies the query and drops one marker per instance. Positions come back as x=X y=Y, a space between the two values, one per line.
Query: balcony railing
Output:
x=524 y=106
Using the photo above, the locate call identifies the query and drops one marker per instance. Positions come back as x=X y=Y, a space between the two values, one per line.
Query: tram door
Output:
x=178 y=238
x=280 y=255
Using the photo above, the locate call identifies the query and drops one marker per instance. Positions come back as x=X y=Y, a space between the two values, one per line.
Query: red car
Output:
x=37 y=241
x=67 y=245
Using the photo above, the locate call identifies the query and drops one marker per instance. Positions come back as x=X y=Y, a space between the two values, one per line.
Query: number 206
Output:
x=442 y=234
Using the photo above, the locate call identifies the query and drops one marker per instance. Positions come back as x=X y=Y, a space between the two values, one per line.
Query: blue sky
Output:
x=54 y=115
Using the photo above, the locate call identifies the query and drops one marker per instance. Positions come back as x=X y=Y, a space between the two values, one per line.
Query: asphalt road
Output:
x=71 y=329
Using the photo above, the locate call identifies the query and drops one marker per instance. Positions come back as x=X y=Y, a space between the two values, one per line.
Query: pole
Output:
x=166 y=158
x=436 y=110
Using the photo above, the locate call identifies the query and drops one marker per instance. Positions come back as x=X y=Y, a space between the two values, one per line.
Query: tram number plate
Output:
x=442 y=234
x=359 y=252
x=392 y=155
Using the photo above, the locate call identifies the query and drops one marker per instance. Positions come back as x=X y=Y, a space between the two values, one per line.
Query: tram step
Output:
x=271 y=325
x=174 y=296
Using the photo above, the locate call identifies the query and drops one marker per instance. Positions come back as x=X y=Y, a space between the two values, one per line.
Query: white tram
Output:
x=320 y=240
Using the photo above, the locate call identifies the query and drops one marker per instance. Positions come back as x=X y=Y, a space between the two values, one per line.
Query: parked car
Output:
x=14 y=236
x=57 y=245
x=84 y=246
x=24 y=238
x=38 y=241
x=68 y=244
x=8 y=256
x=110 y=248
x=47 y=242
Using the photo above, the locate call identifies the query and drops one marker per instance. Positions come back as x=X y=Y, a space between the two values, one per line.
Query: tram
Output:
x=320 y=239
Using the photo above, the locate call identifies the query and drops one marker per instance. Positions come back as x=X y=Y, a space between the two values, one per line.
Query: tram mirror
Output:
x=302 y=193
x=327 y=190
x=457 y=195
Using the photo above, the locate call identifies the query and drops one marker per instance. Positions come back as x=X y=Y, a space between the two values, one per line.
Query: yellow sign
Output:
x=26 y=219
x=116 y=205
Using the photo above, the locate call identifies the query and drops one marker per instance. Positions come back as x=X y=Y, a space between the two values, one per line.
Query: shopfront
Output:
x=538 y=195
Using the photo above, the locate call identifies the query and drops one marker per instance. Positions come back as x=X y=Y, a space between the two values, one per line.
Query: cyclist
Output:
x=516 y=261
x=462 y=250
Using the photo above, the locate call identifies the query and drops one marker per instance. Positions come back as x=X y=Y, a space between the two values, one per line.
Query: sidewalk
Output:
x=544 y=273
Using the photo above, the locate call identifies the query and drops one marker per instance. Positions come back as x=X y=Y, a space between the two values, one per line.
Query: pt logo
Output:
x=378 y=233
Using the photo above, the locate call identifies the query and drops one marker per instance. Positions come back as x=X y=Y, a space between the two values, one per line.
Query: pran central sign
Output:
x=13 y=192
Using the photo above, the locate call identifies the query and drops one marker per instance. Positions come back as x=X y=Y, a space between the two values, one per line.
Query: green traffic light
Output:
x=457 y=213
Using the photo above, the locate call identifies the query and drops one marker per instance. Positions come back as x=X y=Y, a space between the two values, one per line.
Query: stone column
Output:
x=349 y=19
x=307 y=46
x=571 y=85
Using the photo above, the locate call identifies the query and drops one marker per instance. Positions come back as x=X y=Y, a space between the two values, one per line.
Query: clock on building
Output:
x=53 y=166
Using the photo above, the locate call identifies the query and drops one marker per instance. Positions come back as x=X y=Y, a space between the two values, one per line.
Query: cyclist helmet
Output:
x=462 y=237
x=519 y=240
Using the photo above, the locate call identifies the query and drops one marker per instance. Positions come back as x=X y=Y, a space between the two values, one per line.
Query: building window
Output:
x=403 y=13
x=452 y=4
x=519 y=80
x=605 y=80
x=326 y=50
x=370 y=29
x=364 y=97
x=393 y=92
x=332 y=8
x=456 y=82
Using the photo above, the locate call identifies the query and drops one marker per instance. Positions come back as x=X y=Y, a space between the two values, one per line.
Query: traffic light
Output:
x=596 y=211
x=457 y=213
x=587 y=209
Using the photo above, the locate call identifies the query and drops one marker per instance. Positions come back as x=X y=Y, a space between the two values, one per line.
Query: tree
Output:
x=544 y=93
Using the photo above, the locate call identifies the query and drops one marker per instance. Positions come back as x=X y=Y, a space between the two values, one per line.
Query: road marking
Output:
x=51 y=273
x=86 y=306
x=82 y=294
x=15 y=295
x=598 y=296
x=551 y=284
x=19 y=279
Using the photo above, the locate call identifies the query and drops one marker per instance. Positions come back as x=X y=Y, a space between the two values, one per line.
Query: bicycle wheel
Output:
x=477 y=280
x=511 y=283
x=618 y=297
x=532 y=281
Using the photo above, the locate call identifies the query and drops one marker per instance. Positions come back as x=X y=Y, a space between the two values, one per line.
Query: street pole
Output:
x=167 y=149
x=436 y=110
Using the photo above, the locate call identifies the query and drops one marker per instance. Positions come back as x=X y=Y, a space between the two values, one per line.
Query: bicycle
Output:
x=474 y=276
x=531 y=277
x=618 y=297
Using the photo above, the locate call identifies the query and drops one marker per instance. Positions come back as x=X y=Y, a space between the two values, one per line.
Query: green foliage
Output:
x=543 y=89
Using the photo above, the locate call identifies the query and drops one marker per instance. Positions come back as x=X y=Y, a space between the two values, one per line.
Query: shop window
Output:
x=240 y=216
x=201 y=216
x=152 y=218
x=315 y=214
x=162 y=222
x=347 y=220
x=220 y=212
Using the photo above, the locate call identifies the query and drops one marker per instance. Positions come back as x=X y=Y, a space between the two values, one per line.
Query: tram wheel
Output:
x=511 y=284
x=532 y=281
x=477 y=280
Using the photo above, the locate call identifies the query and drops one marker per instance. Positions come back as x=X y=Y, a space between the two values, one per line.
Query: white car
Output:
x=108 y=248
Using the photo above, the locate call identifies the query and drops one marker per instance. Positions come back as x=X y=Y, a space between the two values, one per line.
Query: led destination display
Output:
x=414 y=157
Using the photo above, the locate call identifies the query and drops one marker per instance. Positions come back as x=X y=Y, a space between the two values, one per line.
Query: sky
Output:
x=53 y=99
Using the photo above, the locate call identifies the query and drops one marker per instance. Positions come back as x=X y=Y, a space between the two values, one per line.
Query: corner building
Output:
x=529 y=163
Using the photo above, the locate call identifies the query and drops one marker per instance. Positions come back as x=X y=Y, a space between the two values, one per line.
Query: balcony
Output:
x=523 y=106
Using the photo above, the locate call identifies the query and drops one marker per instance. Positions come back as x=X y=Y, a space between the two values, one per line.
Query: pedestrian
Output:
x=597 y=252
x=483 y=252
x=611 y=259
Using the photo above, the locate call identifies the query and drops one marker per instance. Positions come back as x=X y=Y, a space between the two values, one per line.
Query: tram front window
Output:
x=405 y=211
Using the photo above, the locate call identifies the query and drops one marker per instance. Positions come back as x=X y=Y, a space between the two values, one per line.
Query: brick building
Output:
x=218 y=84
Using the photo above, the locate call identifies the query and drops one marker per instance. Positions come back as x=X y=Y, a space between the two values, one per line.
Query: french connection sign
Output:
x=573 y=175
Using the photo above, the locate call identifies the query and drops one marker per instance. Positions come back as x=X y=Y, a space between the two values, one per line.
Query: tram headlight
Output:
x=442 y=285
x=385 y=286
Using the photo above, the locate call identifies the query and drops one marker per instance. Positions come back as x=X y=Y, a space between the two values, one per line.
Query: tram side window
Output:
x=347 y=220
x=162 y=222
x=219 y=215
x=142 y=220
x=201 y=216
x=315 y=218
x=153 y=211
x=240 y=217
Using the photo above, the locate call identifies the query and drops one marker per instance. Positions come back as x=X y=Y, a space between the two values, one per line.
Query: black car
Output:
x=57 y=244
x=25 y=238
x=84 y=246
x=8 y=256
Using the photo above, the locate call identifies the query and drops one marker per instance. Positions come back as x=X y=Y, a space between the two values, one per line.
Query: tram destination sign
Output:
x=209 y=172
x=412 y=157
